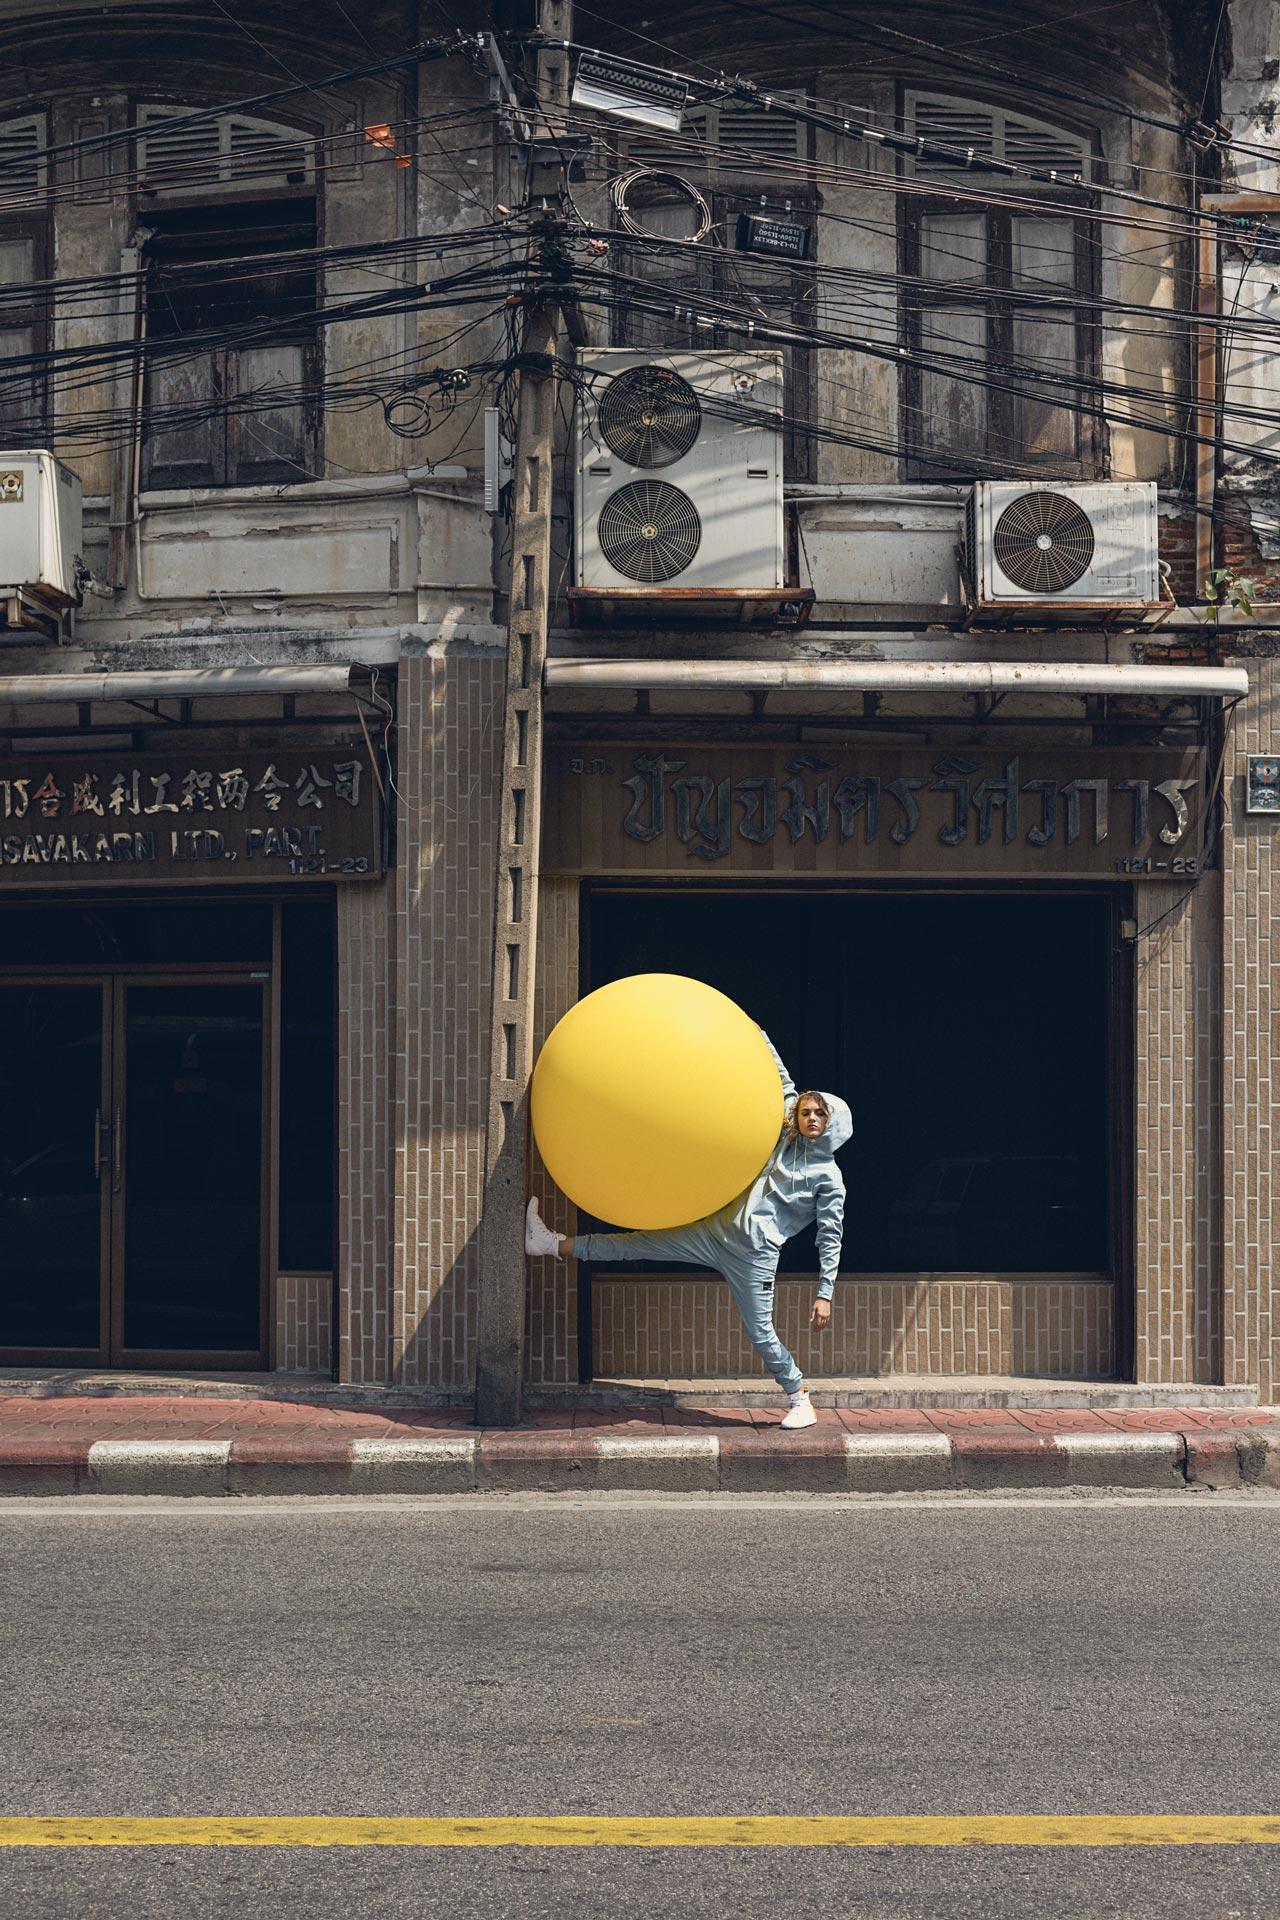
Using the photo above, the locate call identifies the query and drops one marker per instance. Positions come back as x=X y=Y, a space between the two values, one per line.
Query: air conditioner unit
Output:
x=679 y=472
x=40 y=537
x=1061 y=546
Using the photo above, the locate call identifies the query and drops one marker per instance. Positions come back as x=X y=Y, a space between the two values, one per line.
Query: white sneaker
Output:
x=800 y=1412
x=538 y=1237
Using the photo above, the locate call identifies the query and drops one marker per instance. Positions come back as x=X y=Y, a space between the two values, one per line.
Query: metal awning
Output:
x=894 y=676
x=16 y=689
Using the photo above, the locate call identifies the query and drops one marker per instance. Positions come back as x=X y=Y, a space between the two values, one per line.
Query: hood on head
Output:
x=839 y=1128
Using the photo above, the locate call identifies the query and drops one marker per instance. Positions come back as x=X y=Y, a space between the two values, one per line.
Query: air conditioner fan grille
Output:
x=649 y=531
x=1043 y=542
x=649 y=416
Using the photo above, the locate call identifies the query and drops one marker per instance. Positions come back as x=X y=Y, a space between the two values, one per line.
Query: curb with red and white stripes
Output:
x=824 y=1459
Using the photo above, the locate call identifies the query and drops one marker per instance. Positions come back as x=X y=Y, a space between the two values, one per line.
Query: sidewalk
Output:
x=180 y=1443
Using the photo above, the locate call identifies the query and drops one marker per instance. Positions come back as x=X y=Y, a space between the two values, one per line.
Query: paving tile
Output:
x=1151 y=1419
x=710 y=1419
x=1061 y=1420
x=886 y=1420
x=974 y=1419
x=618 y=1420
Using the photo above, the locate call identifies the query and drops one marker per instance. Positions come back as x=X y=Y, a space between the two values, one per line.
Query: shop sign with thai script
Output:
x=235 y=817
x=677 y=809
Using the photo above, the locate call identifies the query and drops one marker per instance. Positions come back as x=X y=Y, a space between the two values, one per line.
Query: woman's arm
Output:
x=830 y=1234
x=788 y=1084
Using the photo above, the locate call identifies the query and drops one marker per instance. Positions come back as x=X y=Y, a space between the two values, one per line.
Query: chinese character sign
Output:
x=225 y=816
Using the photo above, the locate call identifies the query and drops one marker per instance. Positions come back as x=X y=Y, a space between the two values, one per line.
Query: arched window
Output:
x=232 y=290
x=182 y=151
x=999 y=281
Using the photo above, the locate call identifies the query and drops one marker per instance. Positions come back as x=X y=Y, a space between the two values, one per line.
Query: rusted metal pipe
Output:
x=897 y=676
x=172 y=683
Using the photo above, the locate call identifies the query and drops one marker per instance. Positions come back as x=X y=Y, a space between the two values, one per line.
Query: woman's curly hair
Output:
x=811 y=1093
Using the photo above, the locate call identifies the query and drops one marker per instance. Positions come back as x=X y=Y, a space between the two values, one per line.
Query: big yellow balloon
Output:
x=655 y=1101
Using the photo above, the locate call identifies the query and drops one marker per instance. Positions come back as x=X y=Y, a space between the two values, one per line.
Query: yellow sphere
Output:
x=655 y=1101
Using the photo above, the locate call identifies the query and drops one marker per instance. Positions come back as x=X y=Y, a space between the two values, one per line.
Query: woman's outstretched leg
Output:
x=683 y=1244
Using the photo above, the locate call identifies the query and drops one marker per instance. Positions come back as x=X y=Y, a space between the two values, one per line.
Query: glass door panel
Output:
x=190 y=1208
x=53 y=1147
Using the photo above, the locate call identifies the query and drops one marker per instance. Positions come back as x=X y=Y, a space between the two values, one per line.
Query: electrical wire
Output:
x=333 y=153
x=930 y=52
x=441 y=47
x=1058 y=389
x=1070 y=389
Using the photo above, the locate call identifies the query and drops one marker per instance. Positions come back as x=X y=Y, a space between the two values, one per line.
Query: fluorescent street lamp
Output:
x=633 y=93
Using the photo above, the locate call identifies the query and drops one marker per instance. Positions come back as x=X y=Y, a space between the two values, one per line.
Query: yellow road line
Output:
x=569 y=1830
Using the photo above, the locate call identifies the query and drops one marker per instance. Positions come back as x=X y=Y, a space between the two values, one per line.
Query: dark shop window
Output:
x=307 y=1087
x=232 y=354
x=181 y=933
x=968 y=1032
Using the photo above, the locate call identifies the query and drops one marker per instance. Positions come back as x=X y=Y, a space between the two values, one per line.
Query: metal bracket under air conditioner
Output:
x=26 y=618
x=769 y=608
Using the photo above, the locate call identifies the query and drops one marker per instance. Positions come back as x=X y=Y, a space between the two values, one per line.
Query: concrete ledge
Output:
x=1259 y=1458
x=1213 y=1459
x=44 y=1466
x=661 y=1462
x=1122 y=1459
x=518 y=1462
x=988 y=1462
x=765 y=1460
x=444 y=1464
x=729 y=1459
x=281 y=1465
x=897 y=1462
x=158 y=1466
x=1028 y=1394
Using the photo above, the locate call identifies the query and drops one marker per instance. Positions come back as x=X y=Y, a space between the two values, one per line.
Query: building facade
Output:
x=995 y=874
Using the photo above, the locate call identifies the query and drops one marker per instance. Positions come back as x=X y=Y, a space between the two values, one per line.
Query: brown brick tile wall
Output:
x=1062 y=1331
x=690 y=1328
x=551 y=1331
x=1207 y=1144
x=367 y=1084
x=1250 y=1046
x=450 y=731
x=1164 y=1093
x=303 y=1323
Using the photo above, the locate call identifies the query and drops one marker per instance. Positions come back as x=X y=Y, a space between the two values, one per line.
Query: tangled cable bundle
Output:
x=625 y=185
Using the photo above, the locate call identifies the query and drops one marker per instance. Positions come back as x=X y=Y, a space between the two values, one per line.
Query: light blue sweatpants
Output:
x=749 y=1272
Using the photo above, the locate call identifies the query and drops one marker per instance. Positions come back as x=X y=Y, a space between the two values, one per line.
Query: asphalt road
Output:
x=492 y=1656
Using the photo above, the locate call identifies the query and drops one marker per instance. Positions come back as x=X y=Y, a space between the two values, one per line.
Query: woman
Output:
x=801 y=1184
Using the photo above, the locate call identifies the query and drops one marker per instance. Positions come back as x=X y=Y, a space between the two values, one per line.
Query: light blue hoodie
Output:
x=800 y=1185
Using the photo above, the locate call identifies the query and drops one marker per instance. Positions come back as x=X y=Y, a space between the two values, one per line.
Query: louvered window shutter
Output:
x=978 y=134
x=742 y=138
x=23 y=168
x=729 y=143
x=179 y=155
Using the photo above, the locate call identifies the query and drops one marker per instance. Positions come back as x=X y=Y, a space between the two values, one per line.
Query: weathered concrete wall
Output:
x=1249 y=53
x=1249 y=538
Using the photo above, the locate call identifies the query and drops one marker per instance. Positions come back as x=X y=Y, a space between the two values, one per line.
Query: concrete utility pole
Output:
x=500 y=1357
